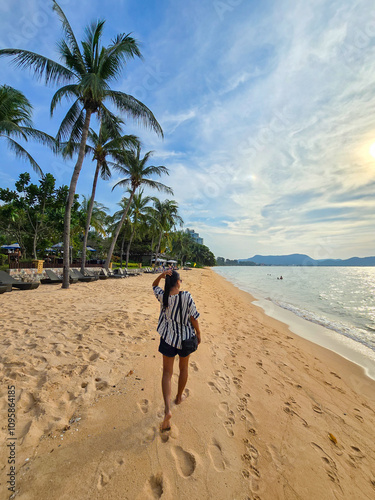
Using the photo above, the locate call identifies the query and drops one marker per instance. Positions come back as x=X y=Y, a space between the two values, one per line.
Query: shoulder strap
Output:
x=180 y=306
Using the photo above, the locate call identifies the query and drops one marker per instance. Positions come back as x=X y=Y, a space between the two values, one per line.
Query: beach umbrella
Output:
x=13 y=246
x=90 y=249
x=58 y=246
x=172 y=261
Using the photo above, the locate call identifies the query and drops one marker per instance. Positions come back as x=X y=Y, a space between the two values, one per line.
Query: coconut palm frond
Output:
x=68 y=91
x=72 y=125
x=135 y=109
x=22 y=153
x=53 y=71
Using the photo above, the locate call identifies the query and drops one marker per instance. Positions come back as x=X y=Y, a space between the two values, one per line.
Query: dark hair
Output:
x=170 y=282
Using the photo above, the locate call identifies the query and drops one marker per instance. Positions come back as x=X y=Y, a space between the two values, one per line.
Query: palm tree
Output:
x=98 y=215
x=115 y=219
x=139 y=212
x=102 y=145
x=86 y=75
x=15 y=122
x=165 y=213
x=181 y=245
x=133 y=167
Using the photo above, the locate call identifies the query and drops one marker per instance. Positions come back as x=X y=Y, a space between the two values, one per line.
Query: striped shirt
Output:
x=169 y=325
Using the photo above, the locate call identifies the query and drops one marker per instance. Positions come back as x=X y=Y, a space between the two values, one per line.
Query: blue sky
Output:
x=267 y=110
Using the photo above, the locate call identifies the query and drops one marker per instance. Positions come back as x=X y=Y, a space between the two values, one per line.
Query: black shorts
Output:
x=170 y=351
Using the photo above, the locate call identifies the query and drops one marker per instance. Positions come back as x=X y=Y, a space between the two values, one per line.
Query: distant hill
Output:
x=298 y=259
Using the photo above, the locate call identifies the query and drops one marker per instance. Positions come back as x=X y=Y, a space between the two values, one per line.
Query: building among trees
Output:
x=195 y=236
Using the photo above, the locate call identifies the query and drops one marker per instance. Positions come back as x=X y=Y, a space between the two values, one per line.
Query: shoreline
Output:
x=262 y=401
x=345 y=347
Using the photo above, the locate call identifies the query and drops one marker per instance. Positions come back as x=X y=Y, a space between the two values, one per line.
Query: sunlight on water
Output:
x=339 y=298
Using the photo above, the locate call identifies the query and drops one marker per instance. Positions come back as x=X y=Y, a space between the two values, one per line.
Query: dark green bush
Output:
x=3 y=259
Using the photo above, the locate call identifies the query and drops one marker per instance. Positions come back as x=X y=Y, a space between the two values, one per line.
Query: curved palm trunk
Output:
x=128 y=248
x=122 y=248
x=118 y=229
x=89 y=215
x=69 y=203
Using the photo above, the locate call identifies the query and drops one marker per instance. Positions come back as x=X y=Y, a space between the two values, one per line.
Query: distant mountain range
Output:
x=298 y=259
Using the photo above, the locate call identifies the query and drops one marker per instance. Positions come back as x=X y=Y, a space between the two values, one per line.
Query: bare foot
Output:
x=166 y=425
x=179 y=400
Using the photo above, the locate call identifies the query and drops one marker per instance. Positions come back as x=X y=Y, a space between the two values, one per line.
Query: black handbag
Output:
x=188 y=345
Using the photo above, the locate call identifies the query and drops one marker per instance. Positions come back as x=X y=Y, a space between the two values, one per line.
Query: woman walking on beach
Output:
x=179 y=334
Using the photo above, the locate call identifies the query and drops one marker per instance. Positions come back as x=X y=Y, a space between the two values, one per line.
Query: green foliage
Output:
x=33 y=214
x=16 y=123
x=3 y=259
x=187 y=250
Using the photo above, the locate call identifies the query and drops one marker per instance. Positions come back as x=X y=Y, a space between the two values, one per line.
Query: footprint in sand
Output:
x=105 y=477
x=155 y=486
x=224 y=409
x=100 y=384
x=317 y=409
x=251 y=462
x=355 y=456
x=222 y=381
x=237 y=382
x=291 y=412
x=194 y=366
x=227 y=414
x=214 y=387
x=228 y=424
x=260 y=365
x=143 y=405
x=185 y=461
x=149 y=436
x=329 y=465
x=274 y=456
x=216 y=455
x=103 y=480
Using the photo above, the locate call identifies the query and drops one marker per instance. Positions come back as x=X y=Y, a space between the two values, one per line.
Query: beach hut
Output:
x=14 y=252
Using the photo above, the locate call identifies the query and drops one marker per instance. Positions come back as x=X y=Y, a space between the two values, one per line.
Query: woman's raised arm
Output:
x=162 y=275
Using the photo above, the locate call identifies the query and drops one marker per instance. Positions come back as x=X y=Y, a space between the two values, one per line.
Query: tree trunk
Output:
x=152 y=244
x=118 y=229
x=128 y=248
x=158 y=247
x=122 y=248
x=89 y=214
x=69 y=203
x=34 y=243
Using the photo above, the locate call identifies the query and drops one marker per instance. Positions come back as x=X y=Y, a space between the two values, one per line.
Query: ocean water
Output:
x=339 y=299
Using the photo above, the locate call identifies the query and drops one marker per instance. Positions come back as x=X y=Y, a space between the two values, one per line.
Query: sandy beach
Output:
x=268 y=415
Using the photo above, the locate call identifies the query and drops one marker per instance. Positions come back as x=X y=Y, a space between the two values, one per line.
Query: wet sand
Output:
x=269 y=415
